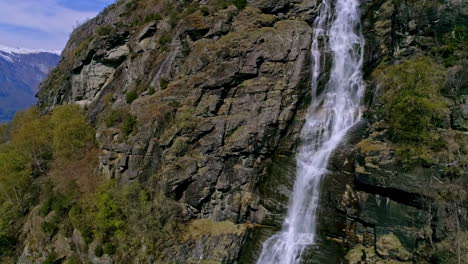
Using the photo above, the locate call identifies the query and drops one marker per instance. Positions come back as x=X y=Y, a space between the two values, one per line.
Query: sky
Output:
x=44 y=24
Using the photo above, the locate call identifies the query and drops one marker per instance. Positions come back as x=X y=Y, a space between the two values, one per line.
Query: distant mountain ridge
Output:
x=21 y=72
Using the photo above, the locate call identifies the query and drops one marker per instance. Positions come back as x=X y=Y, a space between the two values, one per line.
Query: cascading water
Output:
x=331 y=115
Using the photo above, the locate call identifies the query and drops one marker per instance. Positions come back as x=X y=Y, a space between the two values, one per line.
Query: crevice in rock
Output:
x=410 y=199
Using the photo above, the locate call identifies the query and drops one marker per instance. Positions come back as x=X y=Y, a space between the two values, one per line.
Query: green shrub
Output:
x=123 y=118
x=412 y=101
x=165 y=40
x=49 y=228
x=72 y=135
x=131 y=5
x=51 y=259
x=46 y=207
x=152 y=17
x=104 y=30
x=115 y=214
x=7 y=244
x=163 y=83
x=61 y=204
x=128 y=125
x=131 y=96
x=109 y=249
x=4 y=133
x=205 y=11
x=151 y=91
x=72 y=260
x=453 y=45
x=114 y=117
x=82 y=220
x=413 y=107
x=98 y=251
x=240 y=4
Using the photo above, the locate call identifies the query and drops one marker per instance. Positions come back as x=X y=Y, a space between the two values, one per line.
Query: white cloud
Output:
x=45 y=15
x=48 y=17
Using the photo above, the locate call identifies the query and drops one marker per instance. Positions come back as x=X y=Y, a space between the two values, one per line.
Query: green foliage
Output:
x=240 y=4
x=104 y=30
x=131 y=5
x=57 y=202
x=32 y=137
x=413 y=106
x=51 y=259
x=35 y=139
x=4 y=128
x=205 y=11
x=129 y=125
x=123 y=217
x=131 y=96
x=165 y=39
x=72 y=260
x=46 y=207
x=98 y=251
x=72 y=134
x=123 y=118
x=453 y=47
x=109 y=217
x=152 y=17
x=7 y=243
x=163 y=83
x=109 y=249
x=49 y=228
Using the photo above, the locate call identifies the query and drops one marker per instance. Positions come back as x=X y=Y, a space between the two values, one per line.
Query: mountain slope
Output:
x=21 y=72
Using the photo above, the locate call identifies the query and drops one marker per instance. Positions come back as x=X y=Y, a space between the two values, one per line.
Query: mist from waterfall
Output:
x=332 y=113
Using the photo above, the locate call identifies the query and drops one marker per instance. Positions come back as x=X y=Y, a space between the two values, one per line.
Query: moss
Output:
x=196 y=229
x=368 y=146
x=185 y=118
x=179 y=146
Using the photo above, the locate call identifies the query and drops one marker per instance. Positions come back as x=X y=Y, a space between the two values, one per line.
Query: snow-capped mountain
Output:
x=21 y=72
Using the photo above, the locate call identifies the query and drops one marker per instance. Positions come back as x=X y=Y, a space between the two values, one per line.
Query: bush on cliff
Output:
x=35 y=141
x=122 y=218
x=413 y=107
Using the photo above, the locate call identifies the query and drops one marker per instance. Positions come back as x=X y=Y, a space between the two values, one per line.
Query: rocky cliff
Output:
x=202 y=102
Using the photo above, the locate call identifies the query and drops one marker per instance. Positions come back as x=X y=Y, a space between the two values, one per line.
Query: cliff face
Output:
x=203 y=103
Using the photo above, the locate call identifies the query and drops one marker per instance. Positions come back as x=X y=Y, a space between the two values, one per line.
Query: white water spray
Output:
x=332 y=114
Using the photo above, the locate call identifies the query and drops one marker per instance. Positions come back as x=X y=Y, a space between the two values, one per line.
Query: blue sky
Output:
x=44 y=24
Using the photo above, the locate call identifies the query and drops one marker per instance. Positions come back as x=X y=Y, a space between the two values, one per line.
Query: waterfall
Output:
x=331 y=115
